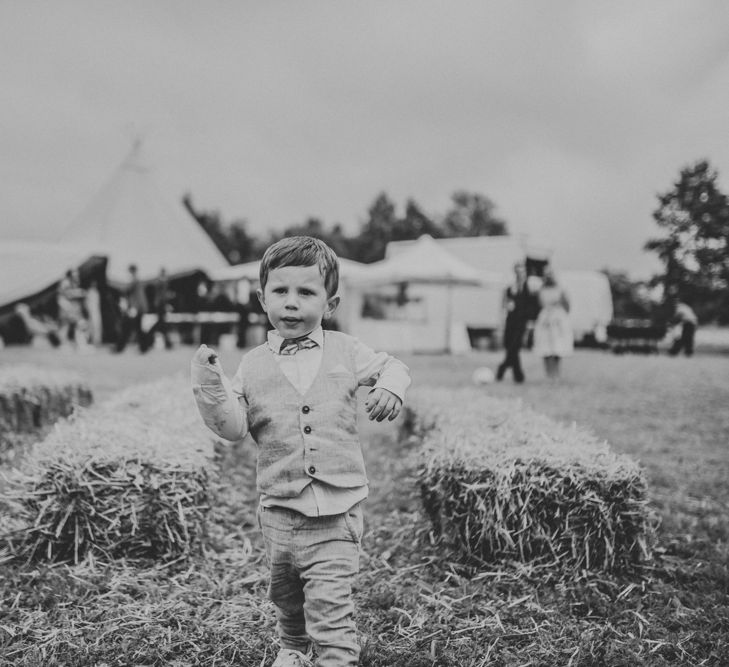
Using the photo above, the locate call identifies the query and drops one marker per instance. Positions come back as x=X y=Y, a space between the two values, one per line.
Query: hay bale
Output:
x=127 y=479
x=32 y=398
x=501 y=481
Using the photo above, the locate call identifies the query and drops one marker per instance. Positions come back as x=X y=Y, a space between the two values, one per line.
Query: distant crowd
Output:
x=538 y=317
x=89 y=316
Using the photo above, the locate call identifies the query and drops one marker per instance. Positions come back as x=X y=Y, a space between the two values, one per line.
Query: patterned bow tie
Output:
x=293 y=345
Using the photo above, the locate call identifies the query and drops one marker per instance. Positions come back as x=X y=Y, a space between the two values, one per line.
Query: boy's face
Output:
x=295 y=300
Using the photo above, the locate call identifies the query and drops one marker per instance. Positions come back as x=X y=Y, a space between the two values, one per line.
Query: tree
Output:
x=694 y=216
x=472 y=214
x=415 y=223
x=333 y=237
x=212 y=225
x=377 y=230
x=233 y=240
x=244 y=246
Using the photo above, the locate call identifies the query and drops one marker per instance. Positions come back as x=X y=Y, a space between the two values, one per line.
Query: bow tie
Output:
x=293 y=345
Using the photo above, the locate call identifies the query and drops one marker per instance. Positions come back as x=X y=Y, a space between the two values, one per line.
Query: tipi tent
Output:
x=130 y=222
x=30 y=272
x=29 y=268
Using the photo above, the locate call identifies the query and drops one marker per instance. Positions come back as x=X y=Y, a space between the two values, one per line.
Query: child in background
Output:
x=296 y=395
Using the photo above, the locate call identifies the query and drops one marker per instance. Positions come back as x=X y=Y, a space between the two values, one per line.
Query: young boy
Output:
x=296 y=395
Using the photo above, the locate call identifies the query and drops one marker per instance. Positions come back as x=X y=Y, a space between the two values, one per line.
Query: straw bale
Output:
x=32 y=398
x=501 y=481
x=129 y=478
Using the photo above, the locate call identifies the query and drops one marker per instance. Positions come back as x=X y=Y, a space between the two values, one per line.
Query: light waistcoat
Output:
x=309 y=436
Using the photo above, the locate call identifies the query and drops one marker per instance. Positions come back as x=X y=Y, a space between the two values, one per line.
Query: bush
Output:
x=501 y=481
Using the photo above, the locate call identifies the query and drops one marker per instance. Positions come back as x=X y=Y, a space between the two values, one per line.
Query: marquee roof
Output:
x=30 y=267
x=131 y=222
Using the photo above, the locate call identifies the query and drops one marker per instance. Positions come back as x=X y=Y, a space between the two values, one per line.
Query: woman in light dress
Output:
x=553 y=338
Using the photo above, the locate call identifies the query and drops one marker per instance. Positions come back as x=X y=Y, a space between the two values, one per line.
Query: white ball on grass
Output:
x=483 y=375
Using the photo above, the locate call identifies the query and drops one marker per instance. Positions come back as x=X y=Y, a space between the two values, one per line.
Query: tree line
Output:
x=693 y=245
x=470 y=214
x=693 y=217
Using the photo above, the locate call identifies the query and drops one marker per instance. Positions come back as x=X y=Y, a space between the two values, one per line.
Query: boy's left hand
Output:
x=381 y=404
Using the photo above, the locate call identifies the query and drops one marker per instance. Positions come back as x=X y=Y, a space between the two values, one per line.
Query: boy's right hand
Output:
x=205 y=366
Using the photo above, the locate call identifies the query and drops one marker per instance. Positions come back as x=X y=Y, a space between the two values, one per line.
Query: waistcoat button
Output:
x=307 y=429
x=305 y=409
x=312 y=470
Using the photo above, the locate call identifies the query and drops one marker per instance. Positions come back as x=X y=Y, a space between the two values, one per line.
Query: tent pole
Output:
x=449 y=310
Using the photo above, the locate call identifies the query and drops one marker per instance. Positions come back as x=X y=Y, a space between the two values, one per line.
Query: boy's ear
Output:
x=332 y=304
x=259 y=294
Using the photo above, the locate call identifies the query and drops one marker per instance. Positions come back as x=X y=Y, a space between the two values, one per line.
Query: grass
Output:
x=419 y=604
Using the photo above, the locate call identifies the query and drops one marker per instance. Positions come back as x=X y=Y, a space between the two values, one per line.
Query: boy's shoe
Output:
x=287 y=657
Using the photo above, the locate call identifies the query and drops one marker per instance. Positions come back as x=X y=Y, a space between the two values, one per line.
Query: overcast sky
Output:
x=571 y=116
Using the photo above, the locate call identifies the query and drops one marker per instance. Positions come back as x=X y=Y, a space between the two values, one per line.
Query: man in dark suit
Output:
x=517 y=304
x=134 y=306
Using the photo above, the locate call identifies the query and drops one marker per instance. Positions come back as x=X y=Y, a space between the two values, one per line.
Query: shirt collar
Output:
x=275 y=339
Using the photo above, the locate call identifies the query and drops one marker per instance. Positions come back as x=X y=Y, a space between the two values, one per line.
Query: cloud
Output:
x=570 y=116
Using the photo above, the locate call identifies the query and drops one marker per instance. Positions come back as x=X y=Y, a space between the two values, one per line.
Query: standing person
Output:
x=243 y=297
x=70 y=299
x=296 y=395
x=220 y=302
x=553 y=337
x=93 y=310
x=516 y=305
x=686 y=319
x=161 y=305
x=134 y=306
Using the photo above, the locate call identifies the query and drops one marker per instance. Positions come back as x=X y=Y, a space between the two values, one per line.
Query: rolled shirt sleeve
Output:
x=221 y=406
x=381 y=370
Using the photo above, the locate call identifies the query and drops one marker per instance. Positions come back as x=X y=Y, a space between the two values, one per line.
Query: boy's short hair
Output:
x=302 y=251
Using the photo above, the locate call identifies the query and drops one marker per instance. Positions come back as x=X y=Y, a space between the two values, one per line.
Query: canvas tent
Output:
x=493 y=257
x=30 y=272
x=480 y=308
x=131 y=222
x=29 y=268
x=423 y=261
x=422 y=264
x=591 y=303
x=475 y=306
